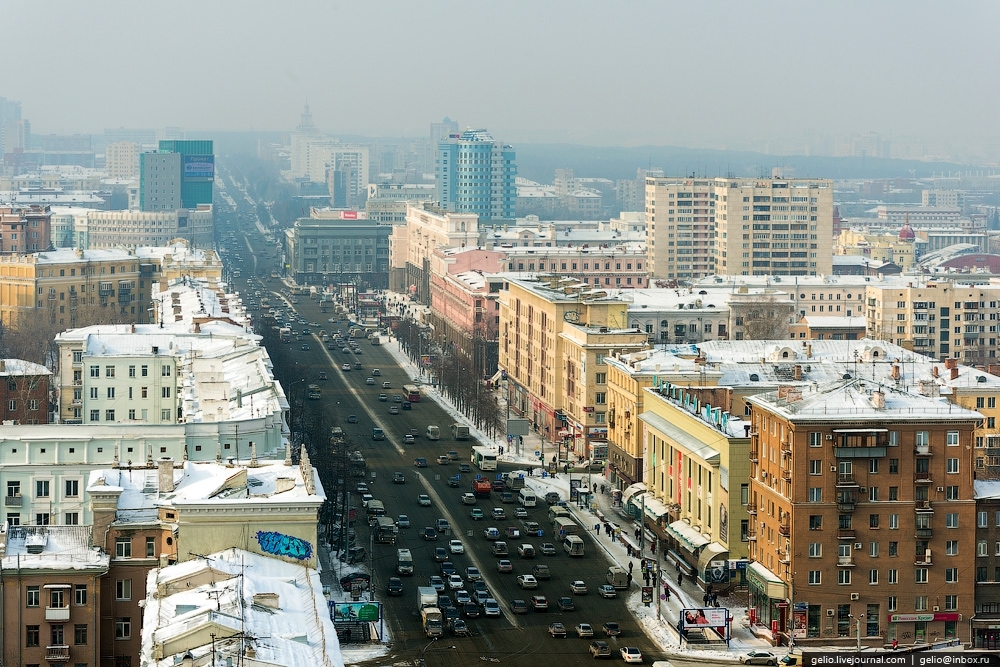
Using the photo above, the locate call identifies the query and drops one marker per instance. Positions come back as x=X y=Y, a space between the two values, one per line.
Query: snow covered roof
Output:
x=986 y=489
x=189 y=299
x=834 y=322
x=19 y=367
x=255 y=606
x=859 y=400
x=73 y=256
x=51 y=547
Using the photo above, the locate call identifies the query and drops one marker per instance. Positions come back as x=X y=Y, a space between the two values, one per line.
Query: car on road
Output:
x=398 y=478
x=369 y=380
x=498 y=513
x=504 y=566
x=323 y=376
x=305 y=347
x=403 y=521
x=440 y=554
x=480 y=597
x=512 y=531
x=452 y=456
x=387 y=385
x=459 y=628
x=455 y=582
x=584 y=630
x=423 y=499
x=527 y=581
x=383 y=398
x=473 y=574
x=471 y=610
x=456 y=547
x=759 y=658
x=454 y=481
x=519 y=606
x=547 y=549
x=352 y=419
x=443 y=460
x=462 y=597
x=362 y=487
x=566 y=604
x=539 y=603
x=600 y=649
x=532 y=528
x=611 y=629
x=497 y=486
x=420 y=462
x=395 y=586
x=506 y=497
x=346 y=368
x=396 y=398
x=358 y=366
x=631 y=654
x=525 y=551
x=394 y=410
x=500 y=548
x=578 y=587
x=443 y=525
x=491 y=533
x=468 y=499
x=607 y=591
x=437 y=583
x=365 y=497
x=491 y=607
x=476 y=514
x=557 y=629
x=541 y=572
x=408 y=439
x=429 y=534
x=520 y=513
x=376 y=372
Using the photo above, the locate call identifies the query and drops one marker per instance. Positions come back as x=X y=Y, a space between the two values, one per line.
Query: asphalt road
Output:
x=513 y=639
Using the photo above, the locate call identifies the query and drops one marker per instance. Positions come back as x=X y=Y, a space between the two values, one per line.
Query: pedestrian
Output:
x=597 y=529
x=630 y=564
x=629 y=578
x=680 y=579
x=666 y=591
x=895 y=644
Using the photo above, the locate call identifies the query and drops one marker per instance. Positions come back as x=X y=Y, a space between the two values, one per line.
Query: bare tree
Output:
x=761 y=317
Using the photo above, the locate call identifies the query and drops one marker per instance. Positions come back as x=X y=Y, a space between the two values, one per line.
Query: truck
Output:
x=286 y=334
x=404 y=562
x=459 y=431
x=384 y=530
x=432 y=619
x=315 y=393
x=376 y=340
x=426 y=597
x=482 y=488
x=618 y=577
x=433 y=432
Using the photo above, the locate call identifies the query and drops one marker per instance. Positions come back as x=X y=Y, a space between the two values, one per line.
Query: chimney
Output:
x=809 y=351
x=950 y=362
x=934 y=371
x=993 y=369
x=133 y=329
x=895 y=372
x=165 y=474
x=878 y=400
x=253 y=454
x=3 y=365
x=798 y=372
x=954 y=373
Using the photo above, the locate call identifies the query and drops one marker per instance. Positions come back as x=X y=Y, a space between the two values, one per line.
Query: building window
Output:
x=95 y=371
x=951 y=493
x=920 y=603
x=844 y=577
x=873 y=577
x=951 y=575
x=950 y=602
x=601 y=398
x=72 y=518
x=72 y=488
x=42 y=488
x=815 y=467
x=95 y=415
x=123 y=627
x=893 y=522
x=33 y=596
x=31 y=635
x=893 y=577
x=93 y=392
x=815 y=577
x=952 y=439
x=893 y=493
x=131 y=371
x=111 y=392
x=80 y=595
x=816 y=522
x=873 y=549
x=600 y=378
x=109 y=371
x=982 y=548
x=109 y=415
x=123 y=547
x=123 y=589
x=952 y=466
x=981 y=519
x=922 y=439
x=951 y=548
x=951 y=520
x=815 y=494
x=893 y=466
x=815 y=549
x=80 y=634
x=920 y=575
x=144 y=370
x=815 y=439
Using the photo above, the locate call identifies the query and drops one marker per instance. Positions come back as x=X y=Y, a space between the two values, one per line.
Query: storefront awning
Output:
x=631 y=491
x=686 y=535
x=764 y=580
x=497 y=376
x=653 y=508
x=712 y=561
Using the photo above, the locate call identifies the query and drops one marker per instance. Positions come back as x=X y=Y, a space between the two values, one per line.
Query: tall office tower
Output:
x=178 y=175
x=13 y=132
x=475 y=174
x=770 y=226
x=122 y=160
x=680 y=227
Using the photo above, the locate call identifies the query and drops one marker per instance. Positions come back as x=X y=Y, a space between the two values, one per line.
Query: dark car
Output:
x=398 y=478
x=348 y=579
x=498 y=486
x=519 y=606
x=506 y=497
x=430 y=534
x=459 y=628
x=600 y=649
x=471 y=610
x=395 y=586
x=539 y=603
x=566 y=604
x=611 y=629
x=407 y=406
x=440 y=554
x=448 y=569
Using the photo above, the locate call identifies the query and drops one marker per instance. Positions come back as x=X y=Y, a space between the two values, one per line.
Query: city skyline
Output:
x=583 y=73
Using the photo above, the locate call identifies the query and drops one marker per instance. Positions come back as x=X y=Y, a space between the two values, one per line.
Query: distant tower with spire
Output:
x=306 y=125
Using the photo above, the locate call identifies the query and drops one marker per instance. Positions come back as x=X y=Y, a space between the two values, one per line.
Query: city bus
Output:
x=411 y=393
x=485 y=458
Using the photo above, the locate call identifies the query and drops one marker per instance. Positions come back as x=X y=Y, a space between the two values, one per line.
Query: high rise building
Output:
x=475 y=174
x=443 y=130
x=730 y=226
x=178 y=175
x=122 y=160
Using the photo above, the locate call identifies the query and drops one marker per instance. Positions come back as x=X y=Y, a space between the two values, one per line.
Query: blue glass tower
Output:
x=475 y=174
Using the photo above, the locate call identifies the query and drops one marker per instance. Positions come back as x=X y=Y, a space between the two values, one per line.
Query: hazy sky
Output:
x=580 y=71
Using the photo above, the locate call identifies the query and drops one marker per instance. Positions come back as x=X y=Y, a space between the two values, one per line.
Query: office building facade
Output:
x=475 y=174
x=179 y=175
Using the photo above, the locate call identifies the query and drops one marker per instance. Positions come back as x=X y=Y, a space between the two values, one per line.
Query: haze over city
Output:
x=774 y=77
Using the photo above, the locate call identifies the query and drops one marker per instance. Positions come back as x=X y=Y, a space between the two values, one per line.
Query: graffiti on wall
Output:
x=284 y=545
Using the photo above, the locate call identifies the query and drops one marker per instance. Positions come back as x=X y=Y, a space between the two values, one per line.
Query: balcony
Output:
x=786 y=449
x=924 y=533
x=923 y=477
x=786 y=475
x=924 y=507
x=922 y=450
x=860 y=452
x=57 y=653
x=845 y=561
x=751 y=508
x=783 y=557
x=57 y=614
x=754 y=455
x=752 y=535
x=845 y=533
x=784 y=529
x=846 y=504
x=923 y=559
x=846 y=479
x=12 y=501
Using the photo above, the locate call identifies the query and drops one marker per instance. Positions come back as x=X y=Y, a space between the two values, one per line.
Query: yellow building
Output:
x=179 y=260
x=879 y=246
x=697 y=458
x=555 y=337
x=76 y=286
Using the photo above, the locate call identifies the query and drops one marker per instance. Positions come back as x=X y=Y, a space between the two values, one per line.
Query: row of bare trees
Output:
x=31 y=336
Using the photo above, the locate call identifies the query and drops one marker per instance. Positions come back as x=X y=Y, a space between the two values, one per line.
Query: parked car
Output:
x=759 y=658
x=347 y=580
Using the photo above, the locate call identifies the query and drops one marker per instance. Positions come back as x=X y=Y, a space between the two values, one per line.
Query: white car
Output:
x=456 y=547
x=455 y=582
x=759 y=658
x=578 y=588
x=527 y=581
x=631 y=654
x=491 y=607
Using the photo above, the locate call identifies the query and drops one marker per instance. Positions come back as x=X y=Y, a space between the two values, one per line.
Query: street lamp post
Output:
x=857 y=622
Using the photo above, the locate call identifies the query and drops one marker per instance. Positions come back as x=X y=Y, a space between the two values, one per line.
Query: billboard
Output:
x=715 y=617
x=355 y=611
x=198 y=167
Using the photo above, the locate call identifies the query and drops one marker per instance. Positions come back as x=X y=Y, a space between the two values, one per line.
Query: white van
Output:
x=526 y=497
x=573 y=545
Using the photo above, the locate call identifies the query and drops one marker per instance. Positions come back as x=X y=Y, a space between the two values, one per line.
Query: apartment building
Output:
x=121 y=160
x=25 y=230
x=877 y=484
x=880 y=246
x=774 y=227
x=555 y=337
x=73 y=285
x=680 y=230
x=937 y=318
x=51 y=605
x=606 y=265
x=698 y=463
x=986 y=622
x=412 y=246
x=24 y=392
x=627 y=378
x=338 y=243
x=112 y=229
